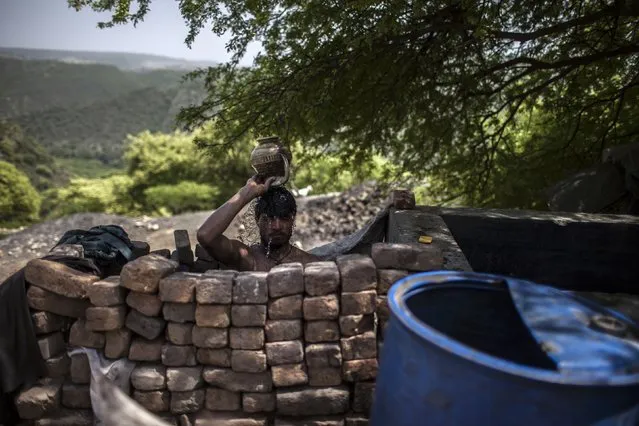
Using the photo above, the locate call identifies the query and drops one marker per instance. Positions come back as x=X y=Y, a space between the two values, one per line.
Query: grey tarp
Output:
x=358 y=242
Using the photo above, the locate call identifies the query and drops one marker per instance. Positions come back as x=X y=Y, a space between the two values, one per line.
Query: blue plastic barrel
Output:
x=479 y=349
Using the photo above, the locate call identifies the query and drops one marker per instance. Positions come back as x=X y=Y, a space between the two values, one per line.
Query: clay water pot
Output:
x=270 y=159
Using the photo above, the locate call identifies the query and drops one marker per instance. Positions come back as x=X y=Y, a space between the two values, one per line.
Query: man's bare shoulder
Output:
x=304 y=257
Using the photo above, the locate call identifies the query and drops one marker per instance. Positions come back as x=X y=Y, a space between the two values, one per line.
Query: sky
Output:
x=51 y=24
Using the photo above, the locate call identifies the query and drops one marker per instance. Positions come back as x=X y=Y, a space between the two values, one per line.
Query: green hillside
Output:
x=28 y=87
x=122 y=60
x=99 y=130
x=87 y=110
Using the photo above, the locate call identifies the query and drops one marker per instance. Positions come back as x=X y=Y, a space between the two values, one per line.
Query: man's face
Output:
x=274 y=230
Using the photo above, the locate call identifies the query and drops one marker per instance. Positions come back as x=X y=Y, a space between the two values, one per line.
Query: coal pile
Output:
x=330 y=219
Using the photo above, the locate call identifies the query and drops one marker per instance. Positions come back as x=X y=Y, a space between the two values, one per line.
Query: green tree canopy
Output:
x=486 y=98
x=19 y=201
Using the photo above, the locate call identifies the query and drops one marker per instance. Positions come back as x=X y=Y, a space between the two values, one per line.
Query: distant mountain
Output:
x=122 y=60
x=87 y=110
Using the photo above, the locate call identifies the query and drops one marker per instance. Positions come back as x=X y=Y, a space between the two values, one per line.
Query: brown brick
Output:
x=289 y=352
x=58 y=366
x=285 y=280
x=51 y=345
x=179 y=312
x=360 y=303
x=321 y=278
x=289 y=375
x=171 y=420
x=323 y=355
x=312 y=401
x=107 y=292
x=387 y=277
x=248 y=315
x=67 y=417
x=212 y=338
x=147 y=304
x=187 y=402
x=59 y=278
x=234 y=381
x=324 y=376
x=178 y=356
x=80 y=371
x=258 y=402
x=146 y=350
x=355 y=420
x=76 y=396
x=179 y=287
x=105 y=318
x=179 y=334
x=184 y=379
x=321 y=331
x=144 y=273
x=358 y=273
x=362 y=346
x=363 y=397
x=352 y=325
x=222 y=400
x=153 y=401
x=281 y=330
x=218 y=418
x=246 y=338
x=47 y=322
x=321 y=307
x=288 y=307
x=117 y=343
x=147 y=327
x=250 y=288
x=410 y=256
x=213 y=316
x=149 y=377
x=39 y=400
x=360 y=370
x=248 y=361
x=214 y=357
x=44 y=300
x=81 y=336
x=382 y=308
x=215 y=287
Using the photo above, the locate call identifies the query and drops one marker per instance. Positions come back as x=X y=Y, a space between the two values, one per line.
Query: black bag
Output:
x=108 y=245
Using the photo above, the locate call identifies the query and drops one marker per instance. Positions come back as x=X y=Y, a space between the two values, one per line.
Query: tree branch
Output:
x=557 y=28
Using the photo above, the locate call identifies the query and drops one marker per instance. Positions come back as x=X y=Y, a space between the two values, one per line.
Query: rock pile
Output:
x=336 y=217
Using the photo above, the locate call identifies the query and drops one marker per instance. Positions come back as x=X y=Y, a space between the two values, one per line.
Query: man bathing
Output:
x=275 y=212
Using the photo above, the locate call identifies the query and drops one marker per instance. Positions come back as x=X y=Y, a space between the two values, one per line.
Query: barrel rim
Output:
x=400 y=311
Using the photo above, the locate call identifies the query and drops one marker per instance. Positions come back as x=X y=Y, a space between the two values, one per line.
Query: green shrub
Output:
x=108 y=195
x=19 y=201
x=327 y=172
x=179 y=198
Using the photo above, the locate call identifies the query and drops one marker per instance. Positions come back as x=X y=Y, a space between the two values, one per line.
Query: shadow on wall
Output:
x=573 y=251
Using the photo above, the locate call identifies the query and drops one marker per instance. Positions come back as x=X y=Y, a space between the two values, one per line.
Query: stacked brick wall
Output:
x=298 y=345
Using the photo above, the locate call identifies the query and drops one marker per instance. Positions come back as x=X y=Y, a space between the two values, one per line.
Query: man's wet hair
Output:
x=276 y=202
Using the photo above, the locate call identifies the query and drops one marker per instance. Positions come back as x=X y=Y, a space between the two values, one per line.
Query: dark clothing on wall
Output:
x=21 y=363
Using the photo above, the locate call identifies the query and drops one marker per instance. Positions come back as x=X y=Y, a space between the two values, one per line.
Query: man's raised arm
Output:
x=232 y=253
